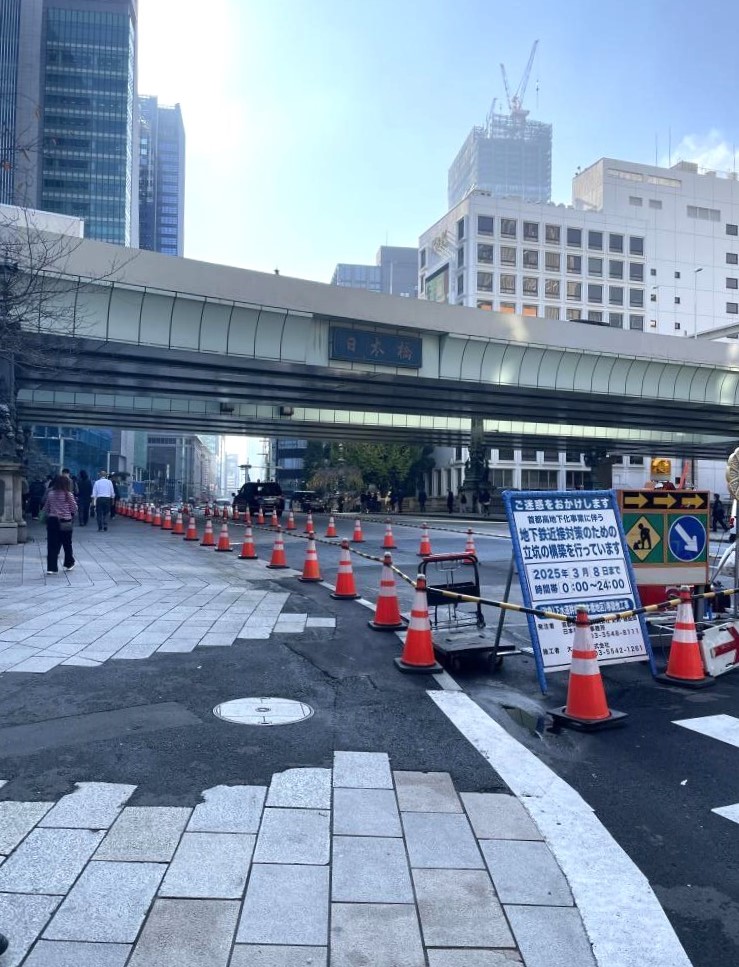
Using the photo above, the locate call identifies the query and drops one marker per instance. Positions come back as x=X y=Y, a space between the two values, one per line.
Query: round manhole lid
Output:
x=263 y=711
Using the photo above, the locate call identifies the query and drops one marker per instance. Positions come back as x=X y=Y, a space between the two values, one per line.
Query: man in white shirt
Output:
x=103 y=494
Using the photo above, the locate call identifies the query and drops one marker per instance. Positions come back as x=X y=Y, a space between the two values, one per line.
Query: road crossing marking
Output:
x=728 y=812
x=725 y=728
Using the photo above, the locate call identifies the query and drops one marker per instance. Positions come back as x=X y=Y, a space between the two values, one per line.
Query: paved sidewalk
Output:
x=350 y=865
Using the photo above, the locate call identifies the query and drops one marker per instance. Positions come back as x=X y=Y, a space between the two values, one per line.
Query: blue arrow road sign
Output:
x=687 y=538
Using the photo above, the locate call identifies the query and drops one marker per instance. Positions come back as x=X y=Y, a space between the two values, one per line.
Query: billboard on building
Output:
x=437 y=285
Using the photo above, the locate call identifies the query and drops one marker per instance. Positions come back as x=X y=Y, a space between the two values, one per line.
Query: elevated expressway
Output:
x=161 y=342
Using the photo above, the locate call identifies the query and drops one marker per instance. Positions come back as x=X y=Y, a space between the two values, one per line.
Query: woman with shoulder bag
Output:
x=60 y=507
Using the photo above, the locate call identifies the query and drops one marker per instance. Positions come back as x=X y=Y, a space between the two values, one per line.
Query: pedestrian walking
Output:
x=103 y=495
x=84 y=497
x=116 y=498
x=60 y=507
x=36 y=492
x=450 y=501
x=485 y=502
x=718 y=515
x=422 y=498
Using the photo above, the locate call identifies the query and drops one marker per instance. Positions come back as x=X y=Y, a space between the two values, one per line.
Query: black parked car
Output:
x=307 y=500
x=267 y=495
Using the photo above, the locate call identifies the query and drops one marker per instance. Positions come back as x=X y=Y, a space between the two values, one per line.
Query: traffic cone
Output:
x=260 y=517
x=685 y=665
x=425 y=549
x=149 y=516
x=248 y=551
x=358 y=536
x=224 y=513
x=155 y=518
x=331 y=529
x=586 y=706
x=208 y=539
x=192 y=530
x=186 y=510
x=387 y=610
x=206 y=512
x=291 y=521
x=388 y=541
x=309 y=528
x=274 y=523
x=179 y=527
x=235 y=514
x=345 y=585
x=167 y=522
x=469 y=547
x=142 y=513
x=224 y=543
x=311 y=568
x=278 y=561
x=418 y=649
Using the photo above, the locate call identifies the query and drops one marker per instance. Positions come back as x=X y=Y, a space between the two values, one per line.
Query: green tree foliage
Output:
x=386 y=466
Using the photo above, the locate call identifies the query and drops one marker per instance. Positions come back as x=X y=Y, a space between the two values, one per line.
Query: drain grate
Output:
x=263 y=711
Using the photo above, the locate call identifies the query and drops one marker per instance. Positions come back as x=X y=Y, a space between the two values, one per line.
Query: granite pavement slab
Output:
x=229 y=809
x=301 y=789
x=366 y=812
x=286 y=905
x=370 y=869
x=362 y=770
x=62 y=953
x=428 y=792
x=23 y=917
x=498 y=816
x=390 y=931
x=144 y=834
x=209 y=865
x=458 y=908
x=187 y=933
x=48 y=861
x=92 y=805
x=441 y=841
x=294 y=836
x=17 y=819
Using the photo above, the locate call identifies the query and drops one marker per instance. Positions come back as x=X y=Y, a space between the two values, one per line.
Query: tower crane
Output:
x=515 y=101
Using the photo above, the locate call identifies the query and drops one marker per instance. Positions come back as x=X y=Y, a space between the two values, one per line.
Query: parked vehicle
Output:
x=267 y=495
x=308 y=500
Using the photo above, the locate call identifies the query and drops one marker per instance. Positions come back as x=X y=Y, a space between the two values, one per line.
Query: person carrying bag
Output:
x=60 y=507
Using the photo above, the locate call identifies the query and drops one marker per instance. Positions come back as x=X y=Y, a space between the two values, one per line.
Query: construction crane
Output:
x=515 y=101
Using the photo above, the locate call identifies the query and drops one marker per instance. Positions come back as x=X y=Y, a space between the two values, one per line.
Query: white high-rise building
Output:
x=640 y=247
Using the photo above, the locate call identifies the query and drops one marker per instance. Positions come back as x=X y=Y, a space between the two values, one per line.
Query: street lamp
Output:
x=695 y=301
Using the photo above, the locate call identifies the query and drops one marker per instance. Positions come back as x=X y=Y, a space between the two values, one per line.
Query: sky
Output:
x=318 y=130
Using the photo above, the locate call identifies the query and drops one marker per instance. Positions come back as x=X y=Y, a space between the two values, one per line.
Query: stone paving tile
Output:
x=187 y=933
x=366 y=812
x=179 y=645
x=390 y=931
x=526 y=872
x=370 y=870
x=209 y=865
x=285 y=905
x=60 y=953
x=550 y=936
x=17 y=819
x=215 y=640
x=458 y=908
x=498 y=816
x=92 y=805
x=144 y=834
x=473 y=958
x=38 y=664
x=440 y=841
x=48 y=861
x=301 y=789
x=229 y=809
x=23 y=918
x=426 y=792
x=15 y=655
x=82 y=662
x=362 y=770
x=136 y=652
x=294 y=836
x=256 y=955
x=107 y=904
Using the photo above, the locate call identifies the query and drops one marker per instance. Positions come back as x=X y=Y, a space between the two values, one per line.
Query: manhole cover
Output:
x=263 y=711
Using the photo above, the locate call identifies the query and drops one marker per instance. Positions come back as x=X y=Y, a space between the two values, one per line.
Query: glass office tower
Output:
x=161 y=177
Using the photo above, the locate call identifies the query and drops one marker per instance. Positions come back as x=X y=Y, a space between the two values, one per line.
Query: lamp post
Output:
x=695 y=301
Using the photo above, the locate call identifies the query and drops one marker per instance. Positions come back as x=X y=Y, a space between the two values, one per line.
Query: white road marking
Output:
x=728 y=812
x=725 y=728
x=622 y=916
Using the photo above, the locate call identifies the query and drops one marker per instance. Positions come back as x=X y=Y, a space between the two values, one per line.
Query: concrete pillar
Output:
x=12 y=521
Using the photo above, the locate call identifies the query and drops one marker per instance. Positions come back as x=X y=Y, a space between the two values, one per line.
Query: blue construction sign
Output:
x=687 y=538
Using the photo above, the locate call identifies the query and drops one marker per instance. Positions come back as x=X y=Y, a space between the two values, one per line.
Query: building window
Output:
x=636 y=245
x=655 y=203
x=732 y=283
x=595 y=241
x=574 y=237
x=653 y=273
x=507 y=255
x=422 y=258
x=594 y=315
x=732 y=258
x=460 y=257
x=508 y=284
x=528 y=455
x=636 y=271
x=706 y=215
x=616 y=295
x=677 y=300
x=531 y=231
x=551 y=288
x=484 y=281
x=574 y=291
x=616 y=319
x=507 y=307
x=538 y=479
x=460 y=284
x=485 y=253
x=732 y=229
x=552 y=233
x=615 y=269
x=552 y=261
x=460 y=228
x=551 y=456
x=636 y=201
x=506 y=453
x=636 y=298
x=677 y=325
x=615 y=243
x=530 y=285
x=551 y=312
x=530 y=310
x=574 y=264
x=508 y=227
x=677 y=275
x=595 y=293
x=485 y=225
x=732 y=308
x=595 y=265
x=530 y=258
x=653 y=297
x=636 y=322
x=574 y=315
x=487 y=306
x=571 y=456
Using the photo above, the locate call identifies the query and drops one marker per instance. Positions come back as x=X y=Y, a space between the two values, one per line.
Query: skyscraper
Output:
x=395 y=272
x=161 y=177
x=67 y=111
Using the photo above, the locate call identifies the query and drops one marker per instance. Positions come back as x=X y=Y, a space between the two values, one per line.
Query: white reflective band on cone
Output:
x=584 y=666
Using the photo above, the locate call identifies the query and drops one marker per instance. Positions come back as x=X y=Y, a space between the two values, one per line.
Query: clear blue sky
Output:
x=319 y=129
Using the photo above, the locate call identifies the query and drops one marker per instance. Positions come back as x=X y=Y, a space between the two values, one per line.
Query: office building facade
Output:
x=395 y=272
x=161 y=177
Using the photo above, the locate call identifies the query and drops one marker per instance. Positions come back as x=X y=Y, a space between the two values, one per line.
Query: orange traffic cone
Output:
x=309 y=529
x=586 y=706
x=345 y=585
x=208 y=539
x=179 y=526
x=224 y=542
x=235 y=514
x=156 y=517
x=425 y=549
x=388 y=541
x=224 y=512
x=331 y=529
x=260 y=517
x=274 y=523
x=247 y=516
x=311 y=568
x=358 y=536
x=142 y=513
x=278 y=561
x=167 y=522
x=291 y=521
x=387 y=610
x=206 y=512
x=248 y=551
x=149 y=517
x=418 y=650
x=685 y=665
x=469 y=547
x=192 y=530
